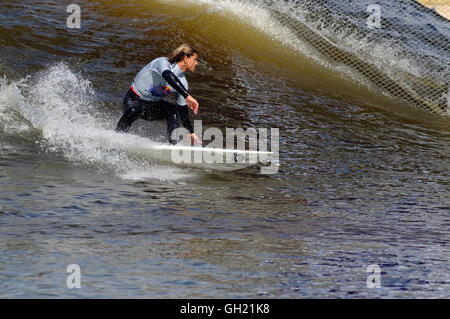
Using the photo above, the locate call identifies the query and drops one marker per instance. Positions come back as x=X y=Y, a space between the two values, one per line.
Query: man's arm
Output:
x=174 y=82
x=163 y=67
x=185 y=119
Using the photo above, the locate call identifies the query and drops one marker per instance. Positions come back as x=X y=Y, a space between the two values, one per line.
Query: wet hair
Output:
x=179 y=53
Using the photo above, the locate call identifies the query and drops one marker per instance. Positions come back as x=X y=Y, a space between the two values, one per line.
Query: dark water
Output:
x=363 y=178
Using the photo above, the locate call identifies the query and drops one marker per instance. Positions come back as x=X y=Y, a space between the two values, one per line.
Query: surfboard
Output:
x=203 y=157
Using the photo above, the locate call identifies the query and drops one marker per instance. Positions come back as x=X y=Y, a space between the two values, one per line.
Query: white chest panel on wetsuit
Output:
x=150 y=85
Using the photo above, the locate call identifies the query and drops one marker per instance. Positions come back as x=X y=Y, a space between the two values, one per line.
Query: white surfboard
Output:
x=202 y=157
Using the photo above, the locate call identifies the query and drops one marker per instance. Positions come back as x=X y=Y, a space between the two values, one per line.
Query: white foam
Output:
x=10 y=119
x=62 y=105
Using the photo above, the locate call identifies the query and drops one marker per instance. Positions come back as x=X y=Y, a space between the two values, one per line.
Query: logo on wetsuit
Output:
x=160 y=90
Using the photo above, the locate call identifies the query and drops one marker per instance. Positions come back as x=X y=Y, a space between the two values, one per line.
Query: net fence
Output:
x=399 y=46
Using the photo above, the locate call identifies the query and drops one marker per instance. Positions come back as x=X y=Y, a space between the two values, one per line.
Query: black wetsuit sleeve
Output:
x=174 y=82
x=185 y=118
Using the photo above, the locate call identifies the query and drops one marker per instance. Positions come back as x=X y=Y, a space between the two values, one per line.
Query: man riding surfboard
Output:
x=158 y=79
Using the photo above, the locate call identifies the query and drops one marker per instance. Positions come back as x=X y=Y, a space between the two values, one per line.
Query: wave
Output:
x=406 y=59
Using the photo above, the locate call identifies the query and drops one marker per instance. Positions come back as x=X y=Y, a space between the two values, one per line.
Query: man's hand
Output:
x=194 y=140
x=192 y=103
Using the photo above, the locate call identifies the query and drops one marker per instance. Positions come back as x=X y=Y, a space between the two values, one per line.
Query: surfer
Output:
x=158 y=79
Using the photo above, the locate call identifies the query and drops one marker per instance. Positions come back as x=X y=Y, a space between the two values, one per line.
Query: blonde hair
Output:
x=179 y=53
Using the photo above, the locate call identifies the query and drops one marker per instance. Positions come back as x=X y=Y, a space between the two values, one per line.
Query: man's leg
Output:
x=133 y=110
x=164 y=110
x=173 y=120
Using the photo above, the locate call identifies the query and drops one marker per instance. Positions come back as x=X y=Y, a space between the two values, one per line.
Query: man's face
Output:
x=191 y=62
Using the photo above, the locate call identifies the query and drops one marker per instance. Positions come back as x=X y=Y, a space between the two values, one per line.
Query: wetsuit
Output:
x=145 y=98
